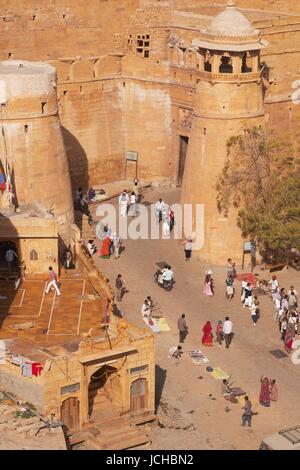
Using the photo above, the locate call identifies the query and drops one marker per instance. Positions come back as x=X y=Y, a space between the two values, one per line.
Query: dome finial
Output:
x=231 y=4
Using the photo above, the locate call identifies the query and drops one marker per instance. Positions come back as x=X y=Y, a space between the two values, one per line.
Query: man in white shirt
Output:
x=167 y=274
x=274 y=287
x=160 y=207
x=277 y=305
x=227 y=331
x=123 y=203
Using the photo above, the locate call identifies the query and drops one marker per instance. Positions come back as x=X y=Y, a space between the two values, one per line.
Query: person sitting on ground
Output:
x=167 y=274
x=176 y=352
x=91 y=247
x=91 y=194
x=146 y=309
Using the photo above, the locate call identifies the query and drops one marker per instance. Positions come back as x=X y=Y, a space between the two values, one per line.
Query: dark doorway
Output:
x=138 y=396
x=184 y=141
x=70 y=413
x=97 y=386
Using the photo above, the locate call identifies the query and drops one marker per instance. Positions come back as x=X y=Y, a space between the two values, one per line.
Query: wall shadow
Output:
x=10 y=273
x=160 y=379
x=78 y=168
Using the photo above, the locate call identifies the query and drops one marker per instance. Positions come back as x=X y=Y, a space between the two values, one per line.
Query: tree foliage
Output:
x=261 y=178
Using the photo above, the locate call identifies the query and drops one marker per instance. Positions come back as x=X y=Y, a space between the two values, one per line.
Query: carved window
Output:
x=33 y=255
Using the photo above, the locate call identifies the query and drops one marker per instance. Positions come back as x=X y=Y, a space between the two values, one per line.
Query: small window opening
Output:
x=43 y=106
x=33 y=255
x=26 y=128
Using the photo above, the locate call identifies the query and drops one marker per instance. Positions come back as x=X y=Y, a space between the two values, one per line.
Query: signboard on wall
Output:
x=131 y=156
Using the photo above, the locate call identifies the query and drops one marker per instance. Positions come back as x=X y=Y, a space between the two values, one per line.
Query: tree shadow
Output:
x=160 y=379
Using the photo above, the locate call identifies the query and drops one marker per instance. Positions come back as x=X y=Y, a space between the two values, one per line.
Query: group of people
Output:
x=268 y=391
x=224 y=332
x=286 y=312
x=165 y=214
x=128 y=203
x=111 y=243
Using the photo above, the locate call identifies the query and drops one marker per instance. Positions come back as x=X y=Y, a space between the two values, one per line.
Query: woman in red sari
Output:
x=264 y=396
x=104 y=251
x=207 y=334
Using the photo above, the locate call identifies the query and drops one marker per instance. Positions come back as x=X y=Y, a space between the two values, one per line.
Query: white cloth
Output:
x=54 y=284
x=166 y=227
x=146 y=311
x=227 y=327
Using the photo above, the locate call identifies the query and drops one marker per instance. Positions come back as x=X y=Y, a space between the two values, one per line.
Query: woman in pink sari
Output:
x=208 y=284
x=207 y=334
x=264 y=396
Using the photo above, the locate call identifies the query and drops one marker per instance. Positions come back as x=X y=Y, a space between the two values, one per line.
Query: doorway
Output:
x=70 y=413
x=183 y=146
x=138 y=396
x=97 y=387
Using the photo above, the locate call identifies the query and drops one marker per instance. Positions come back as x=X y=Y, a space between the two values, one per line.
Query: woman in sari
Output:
x=207 y=334
x=105 y=248
x=288 y=340
x=208 y=284
x=273 y=391
x=264 y=396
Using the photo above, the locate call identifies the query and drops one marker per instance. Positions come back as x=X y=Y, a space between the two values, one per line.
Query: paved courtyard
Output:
x=192 y=411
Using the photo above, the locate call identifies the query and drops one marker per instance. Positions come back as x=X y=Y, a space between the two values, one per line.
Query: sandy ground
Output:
x=216 y=423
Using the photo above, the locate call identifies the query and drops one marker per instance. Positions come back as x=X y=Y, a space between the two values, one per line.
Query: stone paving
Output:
x=187 y=387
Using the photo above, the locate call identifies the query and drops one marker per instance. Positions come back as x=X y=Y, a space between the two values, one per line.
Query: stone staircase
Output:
x=107 y=430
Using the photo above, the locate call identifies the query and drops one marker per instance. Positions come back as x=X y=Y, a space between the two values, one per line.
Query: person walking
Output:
x=264 y=396
x=247 y=415
x=123 y=203
x=182 y=328
x=116 y=243
x=9 y=258
x=248 y=295
x=229 y=288
x=208 y=284
x=132 y=212
x=228 y=332
x=207 y=338
x=52 y=282
x=219 y=332
x=188 y=246
x=120 y=284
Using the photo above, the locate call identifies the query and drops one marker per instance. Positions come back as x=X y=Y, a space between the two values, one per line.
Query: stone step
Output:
x=122 y=444
x=78 y=437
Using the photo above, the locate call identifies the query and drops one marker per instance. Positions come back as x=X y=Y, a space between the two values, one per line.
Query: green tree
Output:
x=261 y=178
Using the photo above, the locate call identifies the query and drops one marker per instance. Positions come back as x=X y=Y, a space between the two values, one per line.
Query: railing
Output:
x=230 y=77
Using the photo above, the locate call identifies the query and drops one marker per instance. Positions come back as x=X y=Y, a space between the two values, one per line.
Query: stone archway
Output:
x=99 y=394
